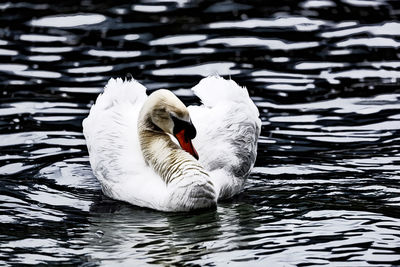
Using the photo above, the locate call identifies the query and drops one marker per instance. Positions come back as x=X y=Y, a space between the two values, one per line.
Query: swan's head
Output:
x=165 y=111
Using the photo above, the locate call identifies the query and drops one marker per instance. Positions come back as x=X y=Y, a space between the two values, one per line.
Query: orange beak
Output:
x=186 y=144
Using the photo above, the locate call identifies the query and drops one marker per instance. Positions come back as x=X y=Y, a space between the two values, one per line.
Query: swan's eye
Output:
x=179 y=125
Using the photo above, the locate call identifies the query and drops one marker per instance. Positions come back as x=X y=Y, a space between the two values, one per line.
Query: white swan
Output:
x=140 y=147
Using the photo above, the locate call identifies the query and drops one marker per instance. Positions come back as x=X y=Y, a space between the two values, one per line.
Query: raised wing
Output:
x=228 y=127
x=111 y=131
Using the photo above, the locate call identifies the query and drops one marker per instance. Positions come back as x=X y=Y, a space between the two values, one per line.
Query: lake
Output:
x=325 y=76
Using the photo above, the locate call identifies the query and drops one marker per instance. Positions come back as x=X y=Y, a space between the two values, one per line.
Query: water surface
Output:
x=324 y=74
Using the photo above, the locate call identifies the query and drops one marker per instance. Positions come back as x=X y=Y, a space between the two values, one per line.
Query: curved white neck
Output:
x=163 y=154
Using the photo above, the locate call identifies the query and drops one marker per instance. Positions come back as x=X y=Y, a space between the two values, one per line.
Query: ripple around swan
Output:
x=323 y=74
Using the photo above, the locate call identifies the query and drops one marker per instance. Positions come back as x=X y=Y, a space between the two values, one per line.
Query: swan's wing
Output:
x=111 y=135
x=110 y=129
x=228 y=128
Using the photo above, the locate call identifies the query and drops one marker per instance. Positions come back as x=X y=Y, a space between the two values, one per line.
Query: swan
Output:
x=153 y=151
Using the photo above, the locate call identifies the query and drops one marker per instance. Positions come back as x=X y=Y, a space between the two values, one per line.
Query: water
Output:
x=324 y=74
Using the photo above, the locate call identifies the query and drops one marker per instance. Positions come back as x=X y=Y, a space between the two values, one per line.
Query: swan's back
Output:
x=228 y=129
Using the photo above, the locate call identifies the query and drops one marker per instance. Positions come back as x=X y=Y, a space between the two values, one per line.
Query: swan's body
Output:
x=136 y=158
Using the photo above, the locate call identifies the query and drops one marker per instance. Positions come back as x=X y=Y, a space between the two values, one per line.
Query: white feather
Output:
x=214 y=90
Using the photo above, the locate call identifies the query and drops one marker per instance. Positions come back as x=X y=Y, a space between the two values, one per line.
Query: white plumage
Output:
x=228 y=127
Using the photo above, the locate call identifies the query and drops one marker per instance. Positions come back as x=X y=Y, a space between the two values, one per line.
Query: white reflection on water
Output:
x=371 y=42
x=95 y=69
x=38 y=74
x=8 y=52
x=65 y=21
x=388 y=28
x=286 y=169
x=114 y=54
x=268 y=73
x=41 y=107
x=387 y=64
x=47 y=58
x=51 y=49
x=287 y=80
x=289 y=87
x=359 y=74
x=318 y=65
x=40 y=138
x=46 y=195
x=54 y=118
x=198 y=50
x=222 y=68
x=71 y=174
x=22 y=70
x=179 y=39
x=91 y=90
x=255 y=41
x=299 y=23
x=131 y=37
x=318 y=3
x=340 y=52
x=149 y=8
x=341 y=139
x=42 y=38
x=14 y=168
x=300 y=118
x=364 y=3
x=345 y=105
x=380 y=126
x=90 y=79
x=13 y=67
x=280 y=59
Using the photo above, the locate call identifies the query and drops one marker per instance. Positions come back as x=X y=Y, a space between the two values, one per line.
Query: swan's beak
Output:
x=186 y=143
x=185 y=131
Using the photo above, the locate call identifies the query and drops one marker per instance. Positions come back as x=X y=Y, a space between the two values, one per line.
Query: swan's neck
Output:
x=162 y=154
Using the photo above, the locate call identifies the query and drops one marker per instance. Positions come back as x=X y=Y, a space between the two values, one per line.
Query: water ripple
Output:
x=323 y=74
x=75 y=20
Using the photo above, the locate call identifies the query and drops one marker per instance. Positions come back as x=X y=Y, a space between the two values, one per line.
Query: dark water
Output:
x=324 y=74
